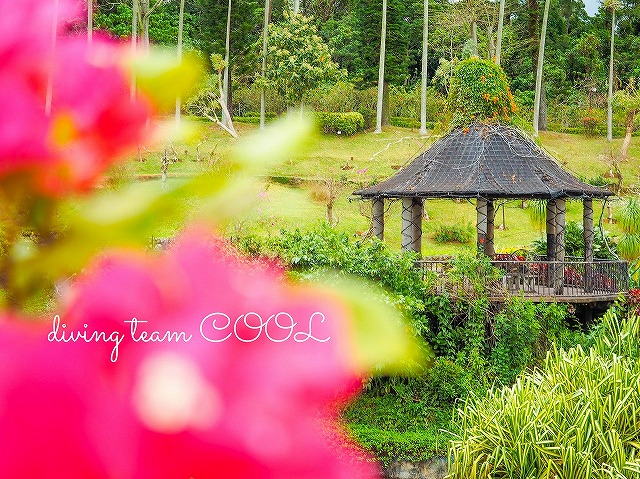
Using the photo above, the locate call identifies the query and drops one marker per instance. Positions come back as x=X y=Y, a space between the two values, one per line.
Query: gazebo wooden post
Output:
x=416 y=221
x=407 y=224
x=489 y=246
x=377 y=217
x=481 y=225
x=551 y=241
x=587 y=222
x=559 y=243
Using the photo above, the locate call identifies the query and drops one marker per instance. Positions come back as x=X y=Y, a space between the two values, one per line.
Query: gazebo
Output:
x=489 y=162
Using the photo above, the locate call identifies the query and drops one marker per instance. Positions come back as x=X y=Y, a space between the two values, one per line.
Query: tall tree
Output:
x=134 y=44
x=265 y=38
x=611 y=5
x=226 y=92
x=54 y=38
x=539 y=86
x=89 y=21
x=146 y=8
x=368 y=29
x=383 y=51
x=298 y=60
x=425 y=65
x=179 y=55
x=500 y=26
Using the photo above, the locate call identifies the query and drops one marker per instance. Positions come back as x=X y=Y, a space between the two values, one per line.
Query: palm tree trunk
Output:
x=265 y=36
x=180 y=28
x=296 y=6
x=89 y=21
x=423 y=85
x=145 y=14
x=383 y=41
x=543 y=37
x=500 y=24
x=474 y=38
x=54 y=38
x=225 y=78
x=491 y=46
x=134 y=44
x=610 y=94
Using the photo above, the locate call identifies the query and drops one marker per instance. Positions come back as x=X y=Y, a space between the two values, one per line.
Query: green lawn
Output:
x=297 y=197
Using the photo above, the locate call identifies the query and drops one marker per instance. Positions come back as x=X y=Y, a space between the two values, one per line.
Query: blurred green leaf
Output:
x=130 y=216
x=380 y=337
x=161 y=76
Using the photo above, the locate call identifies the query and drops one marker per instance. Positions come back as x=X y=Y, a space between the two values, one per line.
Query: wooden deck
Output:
x=573 y=281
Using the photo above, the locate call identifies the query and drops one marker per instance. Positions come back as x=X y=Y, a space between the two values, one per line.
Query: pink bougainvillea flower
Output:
x=242 y=402
x=58 y=419
x=94 y=121
x=91 y=121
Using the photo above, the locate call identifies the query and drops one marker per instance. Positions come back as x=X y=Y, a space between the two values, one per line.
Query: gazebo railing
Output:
x=539 y=278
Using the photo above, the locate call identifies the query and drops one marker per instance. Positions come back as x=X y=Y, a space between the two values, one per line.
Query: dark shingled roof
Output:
x=486 y=161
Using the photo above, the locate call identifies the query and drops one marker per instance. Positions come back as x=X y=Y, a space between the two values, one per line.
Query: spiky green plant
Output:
x=629 y=244
x=576 y=418
x=537 y=210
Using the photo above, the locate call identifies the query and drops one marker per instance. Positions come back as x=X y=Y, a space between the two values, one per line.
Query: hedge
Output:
x=348 y=123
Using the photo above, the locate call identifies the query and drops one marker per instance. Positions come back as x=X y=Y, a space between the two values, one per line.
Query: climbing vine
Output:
x=480 y=92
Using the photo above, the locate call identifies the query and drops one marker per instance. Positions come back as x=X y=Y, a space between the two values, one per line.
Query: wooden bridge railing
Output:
x=540 y=278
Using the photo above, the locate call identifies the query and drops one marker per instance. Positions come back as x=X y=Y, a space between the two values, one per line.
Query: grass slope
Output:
x=339 y=165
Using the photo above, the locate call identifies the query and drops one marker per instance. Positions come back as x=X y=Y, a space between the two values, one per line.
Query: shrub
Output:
x=446 y=382
x=371 y=259
x=247 y=98
x=516 y=330
x=454 y=234
x=253 y=117
x=348 y=123
x=406 y=102
x=589 y=123
x=480 y=92
x=369 y=116
x=403 y=122
x=575 y=418
x=603 y=245
x=340 y=97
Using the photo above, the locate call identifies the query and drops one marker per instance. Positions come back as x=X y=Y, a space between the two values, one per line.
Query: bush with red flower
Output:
x=590 y=123
x=480 y=92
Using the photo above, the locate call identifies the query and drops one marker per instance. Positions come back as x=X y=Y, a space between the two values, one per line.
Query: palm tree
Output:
x=54 y=37
x=180 y=28
x=146 y=9
x=543 y=36
x=425 y=43
x=265 y=37
x=612 y=5
x=225 y=78
x=383 y=47
x=89 y=21
x=629 y=244
x=134 y=43
x=500 y=24
x=296 y=6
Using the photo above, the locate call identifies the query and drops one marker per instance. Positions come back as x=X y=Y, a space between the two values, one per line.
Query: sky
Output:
x=591 y=6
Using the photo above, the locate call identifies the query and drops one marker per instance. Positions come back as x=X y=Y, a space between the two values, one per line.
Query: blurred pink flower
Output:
x=183 y=409
x=92 y=122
